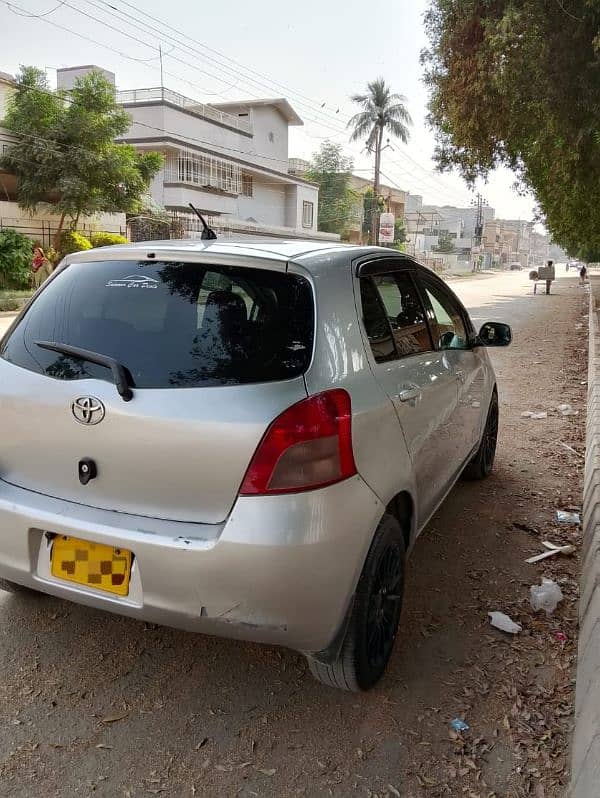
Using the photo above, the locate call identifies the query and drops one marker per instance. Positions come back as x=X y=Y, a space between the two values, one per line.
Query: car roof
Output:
x=265 y=249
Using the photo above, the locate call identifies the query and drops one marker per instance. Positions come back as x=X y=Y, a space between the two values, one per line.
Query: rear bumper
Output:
x=281 y=569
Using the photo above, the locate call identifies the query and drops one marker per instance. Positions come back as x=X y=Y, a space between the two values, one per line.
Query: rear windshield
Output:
x=173 y=325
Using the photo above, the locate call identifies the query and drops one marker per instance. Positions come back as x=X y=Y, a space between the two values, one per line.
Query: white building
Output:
x=425 y=223
x=230 y=160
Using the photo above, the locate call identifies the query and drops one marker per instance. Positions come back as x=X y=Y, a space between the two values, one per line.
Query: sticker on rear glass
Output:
x=133 y=281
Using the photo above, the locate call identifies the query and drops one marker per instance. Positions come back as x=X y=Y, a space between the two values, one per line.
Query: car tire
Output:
x=13 y=587
x=373 y=624
x=481 y=465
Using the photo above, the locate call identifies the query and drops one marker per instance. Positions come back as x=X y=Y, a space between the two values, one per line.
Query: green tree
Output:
x=445 y=243
x=65 y=154
x=331 y=170
x=382 y=111
x=399 y=233
x=369 y=207
x=516 y=83
x=15 y=259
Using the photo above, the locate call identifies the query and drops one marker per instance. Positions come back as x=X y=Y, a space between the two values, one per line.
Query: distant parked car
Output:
x=515 y=266
x=242 y=439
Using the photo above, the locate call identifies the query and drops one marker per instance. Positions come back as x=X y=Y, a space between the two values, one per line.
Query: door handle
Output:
x=410 y=394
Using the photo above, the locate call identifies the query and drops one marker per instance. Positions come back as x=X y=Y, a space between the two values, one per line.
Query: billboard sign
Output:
x=386 y=228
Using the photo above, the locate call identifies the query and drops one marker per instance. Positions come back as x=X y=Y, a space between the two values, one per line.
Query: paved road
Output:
x=95 y=703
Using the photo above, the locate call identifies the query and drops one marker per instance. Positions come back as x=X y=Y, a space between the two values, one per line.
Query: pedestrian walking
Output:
x=40 y=266
x=583 y=274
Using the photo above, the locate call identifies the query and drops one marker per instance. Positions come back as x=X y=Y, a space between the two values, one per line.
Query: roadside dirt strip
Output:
x=94 y=704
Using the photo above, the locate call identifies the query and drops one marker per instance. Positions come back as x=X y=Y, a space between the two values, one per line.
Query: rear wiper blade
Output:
x=121 y=373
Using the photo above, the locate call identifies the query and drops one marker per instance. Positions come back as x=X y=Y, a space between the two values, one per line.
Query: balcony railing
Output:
x=203 y=171
x=159 y=94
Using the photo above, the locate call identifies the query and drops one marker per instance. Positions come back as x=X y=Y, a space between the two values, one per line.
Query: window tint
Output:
x=451 y=331
x=404 y=312
x=376 y=324
x=170 y=324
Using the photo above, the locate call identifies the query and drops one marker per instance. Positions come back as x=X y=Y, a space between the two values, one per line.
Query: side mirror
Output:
x=494 y=333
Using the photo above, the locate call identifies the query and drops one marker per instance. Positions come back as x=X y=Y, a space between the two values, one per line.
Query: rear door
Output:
x=418 y=380
x=215 y=353
x=452 y=334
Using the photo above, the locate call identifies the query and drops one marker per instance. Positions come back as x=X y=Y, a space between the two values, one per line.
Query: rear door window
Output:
x=173 y=325
x=403 y=312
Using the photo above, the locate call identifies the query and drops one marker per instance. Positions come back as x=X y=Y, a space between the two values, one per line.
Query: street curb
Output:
x=6 y=314
x=585 y=754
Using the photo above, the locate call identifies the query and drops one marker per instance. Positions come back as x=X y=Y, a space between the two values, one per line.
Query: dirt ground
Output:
x=91 y=703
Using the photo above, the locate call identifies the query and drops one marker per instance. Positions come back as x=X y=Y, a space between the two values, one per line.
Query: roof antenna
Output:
x=208 y=234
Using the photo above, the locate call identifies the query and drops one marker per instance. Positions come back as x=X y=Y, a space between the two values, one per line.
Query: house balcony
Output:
x=162 y=95
x=203 y=171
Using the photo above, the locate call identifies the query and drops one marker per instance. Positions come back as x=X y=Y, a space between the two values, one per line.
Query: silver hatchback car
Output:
x=241 y=439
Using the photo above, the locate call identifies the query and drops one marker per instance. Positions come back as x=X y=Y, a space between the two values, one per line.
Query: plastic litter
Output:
x=504 y=623
x=531 y=414
x=459 y=725
x=566 y=517
x=552 y=549
x=571 y=449
x=546 y=596
x=566 y=410
x=560 y=636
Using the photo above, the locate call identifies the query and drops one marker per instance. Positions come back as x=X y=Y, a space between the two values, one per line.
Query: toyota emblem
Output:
x=87 y=410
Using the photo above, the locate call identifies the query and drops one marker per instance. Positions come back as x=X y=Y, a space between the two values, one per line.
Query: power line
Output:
x=217 y=149
x=175 y=58
x=43 y=14
x=315 y=105
x=12 y=7
x=431 y=178
x=311 y=102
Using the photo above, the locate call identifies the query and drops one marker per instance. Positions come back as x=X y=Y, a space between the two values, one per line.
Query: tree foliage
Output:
x=368 y=208
x=445 y=243
x=102 y=239
x=15 y=259
x=73 y=241
x=517 y=83
x=66 y=154
x=382 y=110
x=331 y=170
x=399 y=233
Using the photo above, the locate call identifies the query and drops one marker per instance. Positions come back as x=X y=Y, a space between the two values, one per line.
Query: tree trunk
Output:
x=375 y=209
x=56 y=241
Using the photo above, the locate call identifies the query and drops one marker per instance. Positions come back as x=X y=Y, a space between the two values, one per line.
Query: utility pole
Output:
x=375 y=208
x=478 y=202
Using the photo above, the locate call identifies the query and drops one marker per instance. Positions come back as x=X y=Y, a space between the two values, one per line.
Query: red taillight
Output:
x=308 y=446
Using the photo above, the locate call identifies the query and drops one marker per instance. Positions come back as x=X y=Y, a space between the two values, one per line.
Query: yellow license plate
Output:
x=91 y=564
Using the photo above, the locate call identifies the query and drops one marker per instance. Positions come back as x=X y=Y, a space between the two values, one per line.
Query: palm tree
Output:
x=382 y=110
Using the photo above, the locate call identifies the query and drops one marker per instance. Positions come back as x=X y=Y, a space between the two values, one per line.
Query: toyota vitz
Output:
x=241 y=439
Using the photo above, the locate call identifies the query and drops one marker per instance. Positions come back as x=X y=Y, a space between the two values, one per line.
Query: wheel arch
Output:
x=402 y=508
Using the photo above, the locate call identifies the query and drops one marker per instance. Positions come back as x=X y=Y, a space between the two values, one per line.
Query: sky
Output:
x=316 y=54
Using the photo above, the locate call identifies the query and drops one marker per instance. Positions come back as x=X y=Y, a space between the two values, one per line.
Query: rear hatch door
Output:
x=215 y=353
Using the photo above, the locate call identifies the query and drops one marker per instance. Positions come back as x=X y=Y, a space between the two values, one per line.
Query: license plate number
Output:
x=91 y=564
